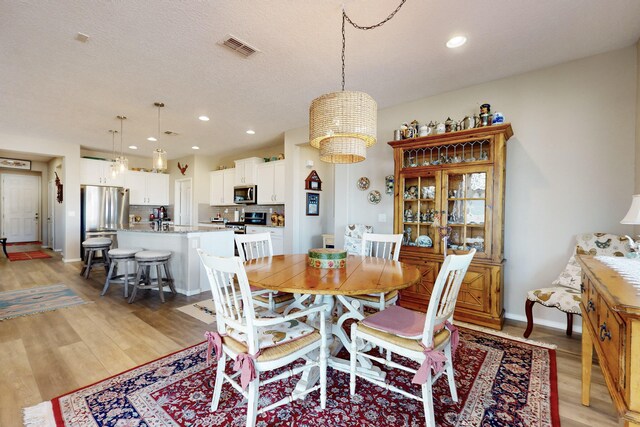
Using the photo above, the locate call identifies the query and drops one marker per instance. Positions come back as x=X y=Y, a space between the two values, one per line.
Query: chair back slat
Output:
x=445 y=291
x=253 y=246
x=381 y=245
x=231 y=295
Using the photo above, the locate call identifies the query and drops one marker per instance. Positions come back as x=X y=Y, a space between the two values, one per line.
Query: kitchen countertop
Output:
x=173 y=229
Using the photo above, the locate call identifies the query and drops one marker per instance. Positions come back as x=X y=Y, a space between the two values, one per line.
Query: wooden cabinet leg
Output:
x=587 y=362
x=528 y=309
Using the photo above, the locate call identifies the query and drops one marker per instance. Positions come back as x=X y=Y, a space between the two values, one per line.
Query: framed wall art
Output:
x=15 y=163
x=313 y=204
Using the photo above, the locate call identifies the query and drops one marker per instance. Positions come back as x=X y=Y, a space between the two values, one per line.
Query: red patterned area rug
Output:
x=26 y=256
x=501 y=382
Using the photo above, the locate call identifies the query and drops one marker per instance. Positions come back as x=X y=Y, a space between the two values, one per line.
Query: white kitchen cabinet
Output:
x=146 y=188
x=98 y=172
x=246 y=171
x=277 y=236
x=221 y=187
x=271 y=186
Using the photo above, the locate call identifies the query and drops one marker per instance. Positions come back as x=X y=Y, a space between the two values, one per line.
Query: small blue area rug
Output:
x=24 y=302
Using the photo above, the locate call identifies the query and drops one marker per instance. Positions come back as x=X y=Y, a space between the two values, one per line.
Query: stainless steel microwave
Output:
x=245 y=194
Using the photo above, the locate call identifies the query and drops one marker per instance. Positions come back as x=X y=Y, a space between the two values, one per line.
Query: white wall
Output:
x=570 y=165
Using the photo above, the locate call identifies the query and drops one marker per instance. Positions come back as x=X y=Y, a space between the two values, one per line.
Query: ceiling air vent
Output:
x=239 y=46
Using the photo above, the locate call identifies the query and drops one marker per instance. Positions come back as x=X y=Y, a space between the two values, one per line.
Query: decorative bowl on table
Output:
x=327 y=258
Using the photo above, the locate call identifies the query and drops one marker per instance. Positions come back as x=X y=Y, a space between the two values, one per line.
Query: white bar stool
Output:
x=116 y=257
x=146 y=260
x=91 y=246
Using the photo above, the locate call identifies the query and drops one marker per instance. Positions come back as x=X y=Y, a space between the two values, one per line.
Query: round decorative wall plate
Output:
x=363 y=183
x=374 y=197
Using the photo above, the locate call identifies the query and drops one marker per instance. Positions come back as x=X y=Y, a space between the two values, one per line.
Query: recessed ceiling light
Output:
x=251 y=132
x=152 y=139
x=195 y=147
x=203 y=118
x=456 y=41
x=81 y=37
x=133 y=147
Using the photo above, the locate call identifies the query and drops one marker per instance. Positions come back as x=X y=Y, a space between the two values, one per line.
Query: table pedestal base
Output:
x=351 y=311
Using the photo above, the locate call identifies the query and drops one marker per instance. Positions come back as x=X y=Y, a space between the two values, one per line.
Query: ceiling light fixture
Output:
x=124 y=162
x=133 y=147
x=195 y=147
x=152 y=139
x=343 y=124
x=456 y=41
x=251 y=132
x=159 y=155
x=203 y=118
x=114 y=167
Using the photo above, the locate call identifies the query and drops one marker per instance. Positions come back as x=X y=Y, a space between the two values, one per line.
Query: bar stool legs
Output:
x=146 y=260
x=91 y=246
x=116 y=257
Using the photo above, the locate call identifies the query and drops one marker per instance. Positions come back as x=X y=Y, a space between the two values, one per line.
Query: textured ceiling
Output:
x=53 y=86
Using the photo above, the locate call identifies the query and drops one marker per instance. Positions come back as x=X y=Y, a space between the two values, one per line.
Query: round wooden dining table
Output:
x=333 y=287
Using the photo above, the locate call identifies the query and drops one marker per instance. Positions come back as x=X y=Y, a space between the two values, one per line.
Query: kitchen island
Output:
x=183 y=241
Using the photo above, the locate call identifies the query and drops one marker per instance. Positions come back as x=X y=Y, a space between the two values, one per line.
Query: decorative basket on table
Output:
x=327 y=258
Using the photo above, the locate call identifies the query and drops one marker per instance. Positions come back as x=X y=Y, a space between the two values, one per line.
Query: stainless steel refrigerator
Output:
x=103 y=211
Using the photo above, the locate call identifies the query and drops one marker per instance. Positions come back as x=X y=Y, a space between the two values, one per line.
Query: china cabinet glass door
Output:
x=466 y=210
x=420 y=201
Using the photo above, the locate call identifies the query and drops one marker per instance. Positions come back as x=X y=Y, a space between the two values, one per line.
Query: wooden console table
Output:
x=611 y=323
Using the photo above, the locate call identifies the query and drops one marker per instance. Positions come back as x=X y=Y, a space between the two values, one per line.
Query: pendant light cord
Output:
x=113 y=142
x=345 y=19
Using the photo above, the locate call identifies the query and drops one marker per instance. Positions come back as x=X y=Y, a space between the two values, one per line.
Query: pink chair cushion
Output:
x=397 y=320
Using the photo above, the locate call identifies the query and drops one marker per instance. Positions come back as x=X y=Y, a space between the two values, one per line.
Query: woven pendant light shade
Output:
x=343 y=150
x=338 y=120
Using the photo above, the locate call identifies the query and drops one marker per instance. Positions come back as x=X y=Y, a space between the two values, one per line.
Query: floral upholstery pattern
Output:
x=353 y=237
x=591 y=244
x=563 y=298
x=269 y=336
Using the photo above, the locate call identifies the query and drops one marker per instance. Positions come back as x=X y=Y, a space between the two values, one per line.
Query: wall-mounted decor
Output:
x=15 y=163
x=388 y=183
x=363 y=183
x=183 y=169
x=58 y=188
x=313 y=204
x=313 y=182
x=374 y=197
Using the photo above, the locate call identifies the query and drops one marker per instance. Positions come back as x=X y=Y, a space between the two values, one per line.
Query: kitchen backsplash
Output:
x=206 y=212
x=145 y=211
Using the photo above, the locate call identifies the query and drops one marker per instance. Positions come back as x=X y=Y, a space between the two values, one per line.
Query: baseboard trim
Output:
x=71 y=259
x=562 y=326
x=189 y=293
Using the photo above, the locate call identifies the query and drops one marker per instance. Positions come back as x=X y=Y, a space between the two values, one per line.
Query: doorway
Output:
x=183 y=196
x=20 y=207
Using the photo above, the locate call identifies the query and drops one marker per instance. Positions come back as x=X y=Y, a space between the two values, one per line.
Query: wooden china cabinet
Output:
x=456 y=179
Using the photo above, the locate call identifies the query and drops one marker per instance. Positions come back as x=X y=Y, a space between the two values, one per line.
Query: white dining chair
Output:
x=428 y=339
x=255 y=246
x=258 y=345
x=385 y=246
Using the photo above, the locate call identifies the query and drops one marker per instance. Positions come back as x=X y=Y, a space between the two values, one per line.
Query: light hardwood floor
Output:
x=45 y=355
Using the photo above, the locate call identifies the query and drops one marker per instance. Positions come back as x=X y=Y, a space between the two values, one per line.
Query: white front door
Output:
x=182 y=214
x=20 y=207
